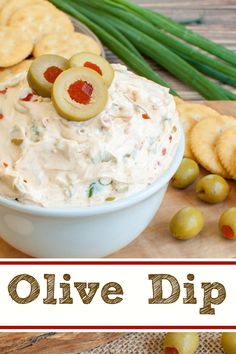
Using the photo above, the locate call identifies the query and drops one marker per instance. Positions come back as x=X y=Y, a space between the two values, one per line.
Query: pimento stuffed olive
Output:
x=227 y=224
x=181 y=343
x=94 y=62
x=43 y=72
x=79 y=94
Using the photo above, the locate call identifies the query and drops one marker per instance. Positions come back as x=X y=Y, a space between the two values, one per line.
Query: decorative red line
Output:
x=117 y=327
x=117 y=262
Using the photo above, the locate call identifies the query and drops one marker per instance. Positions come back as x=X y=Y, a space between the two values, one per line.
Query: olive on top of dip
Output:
x=50 y=161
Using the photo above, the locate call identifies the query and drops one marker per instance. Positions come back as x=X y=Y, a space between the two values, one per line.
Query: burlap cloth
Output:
x=152 y=343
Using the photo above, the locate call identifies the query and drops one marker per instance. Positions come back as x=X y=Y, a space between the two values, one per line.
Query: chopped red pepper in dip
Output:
x=3 y=92
x=1 y=116
x=169 y=350
x=93 y=66
x=164 y=151
x=145 y=116
x=227 y=232
x=81 y=92
x=28 y=97
x=52 y=73
x=5 y=164
x=170 y=138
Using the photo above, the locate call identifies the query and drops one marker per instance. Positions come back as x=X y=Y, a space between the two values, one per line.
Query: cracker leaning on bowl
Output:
x=65 y=45
x=17 y=46
x=11 y=6
x=34 y=20
x=210 y=138
x=42 y=23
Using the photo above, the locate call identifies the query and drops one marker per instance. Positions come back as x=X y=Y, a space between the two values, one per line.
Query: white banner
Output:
x=117 y=295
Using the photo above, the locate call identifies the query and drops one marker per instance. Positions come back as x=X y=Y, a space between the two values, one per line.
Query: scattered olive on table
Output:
x=212 y=189
x=227 y=224
x=186 y=174
x=228 y=342
x=181 y=343
x=187 y=223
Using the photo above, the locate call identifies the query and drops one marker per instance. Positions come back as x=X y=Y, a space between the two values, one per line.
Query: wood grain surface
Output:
x=219 y=24
x=52 y=343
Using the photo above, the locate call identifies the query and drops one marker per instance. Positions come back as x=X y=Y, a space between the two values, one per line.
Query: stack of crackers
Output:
x=210 y=138
x=36 y=27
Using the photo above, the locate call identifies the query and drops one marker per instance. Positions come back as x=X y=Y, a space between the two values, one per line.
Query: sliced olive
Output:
x=94 y=62
x=43 y=72
x=17 y=141
x=187 y=223
x=227 y=224
x=212 y=189
x=181 y=343
x=79 y=94
x=228 y=342
x=186 y=174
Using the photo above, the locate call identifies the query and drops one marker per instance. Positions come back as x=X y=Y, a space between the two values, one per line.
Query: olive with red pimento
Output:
x=43 y=72
x=94 y=62
x=181 y=343
x=79 y=94
x=227 y=224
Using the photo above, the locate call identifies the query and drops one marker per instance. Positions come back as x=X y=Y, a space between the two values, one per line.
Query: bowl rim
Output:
x=105 y=208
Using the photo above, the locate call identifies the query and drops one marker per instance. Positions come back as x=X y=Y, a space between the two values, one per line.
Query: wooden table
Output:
x=219 y=23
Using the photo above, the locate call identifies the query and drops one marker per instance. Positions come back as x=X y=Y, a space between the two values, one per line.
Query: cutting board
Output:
x=53 y=343
x=156 y=241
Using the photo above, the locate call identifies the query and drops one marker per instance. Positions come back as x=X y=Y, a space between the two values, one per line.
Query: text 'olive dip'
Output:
x=48 y=161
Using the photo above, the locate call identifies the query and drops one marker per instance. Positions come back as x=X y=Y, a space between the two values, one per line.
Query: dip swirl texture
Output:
x=48 y=161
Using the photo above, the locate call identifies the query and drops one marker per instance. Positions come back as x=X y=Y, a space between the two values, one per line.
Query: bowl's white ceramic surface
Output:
x=83 y=232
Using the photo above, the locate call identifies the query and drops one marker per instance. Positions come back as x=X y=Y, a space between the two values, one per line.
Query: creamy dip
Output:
x=48 y=161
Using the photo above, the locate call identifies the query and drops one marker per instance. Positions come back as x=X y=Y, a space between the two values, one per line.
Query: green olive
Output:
x=227 y=224
x=181 y=343
x=187 y=223
x=43 y=72
x=17 y=142
x=79 y=94
x=212 y=189
x=186 y=174
x=94 y=62
x=228 y=342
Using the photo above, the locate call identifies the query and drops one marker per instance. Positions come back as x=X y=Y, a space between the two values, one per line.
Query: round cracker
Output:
x=66 y=45
x=7 y=73
x=12 y=6
x=190 y=114
x=16 y=46
x=203 y=139
x=3 y=3
x=37 y=21
x=226 y=150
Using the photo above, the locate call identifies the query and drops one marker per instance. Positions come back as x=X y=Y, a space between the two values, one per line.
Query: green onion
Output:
x=144 y=26
x=210 y=71
x=91 y=190
x=163 y=56
x=134 y=61
x=178 y=30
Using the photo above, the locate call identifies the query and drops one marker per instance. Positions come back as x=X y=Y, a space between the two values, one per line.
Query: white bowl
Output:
x=83 y=232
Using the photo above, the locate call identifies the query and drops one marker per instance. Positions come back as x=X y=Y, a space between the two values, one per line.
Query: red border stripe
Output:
x=38 y=262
